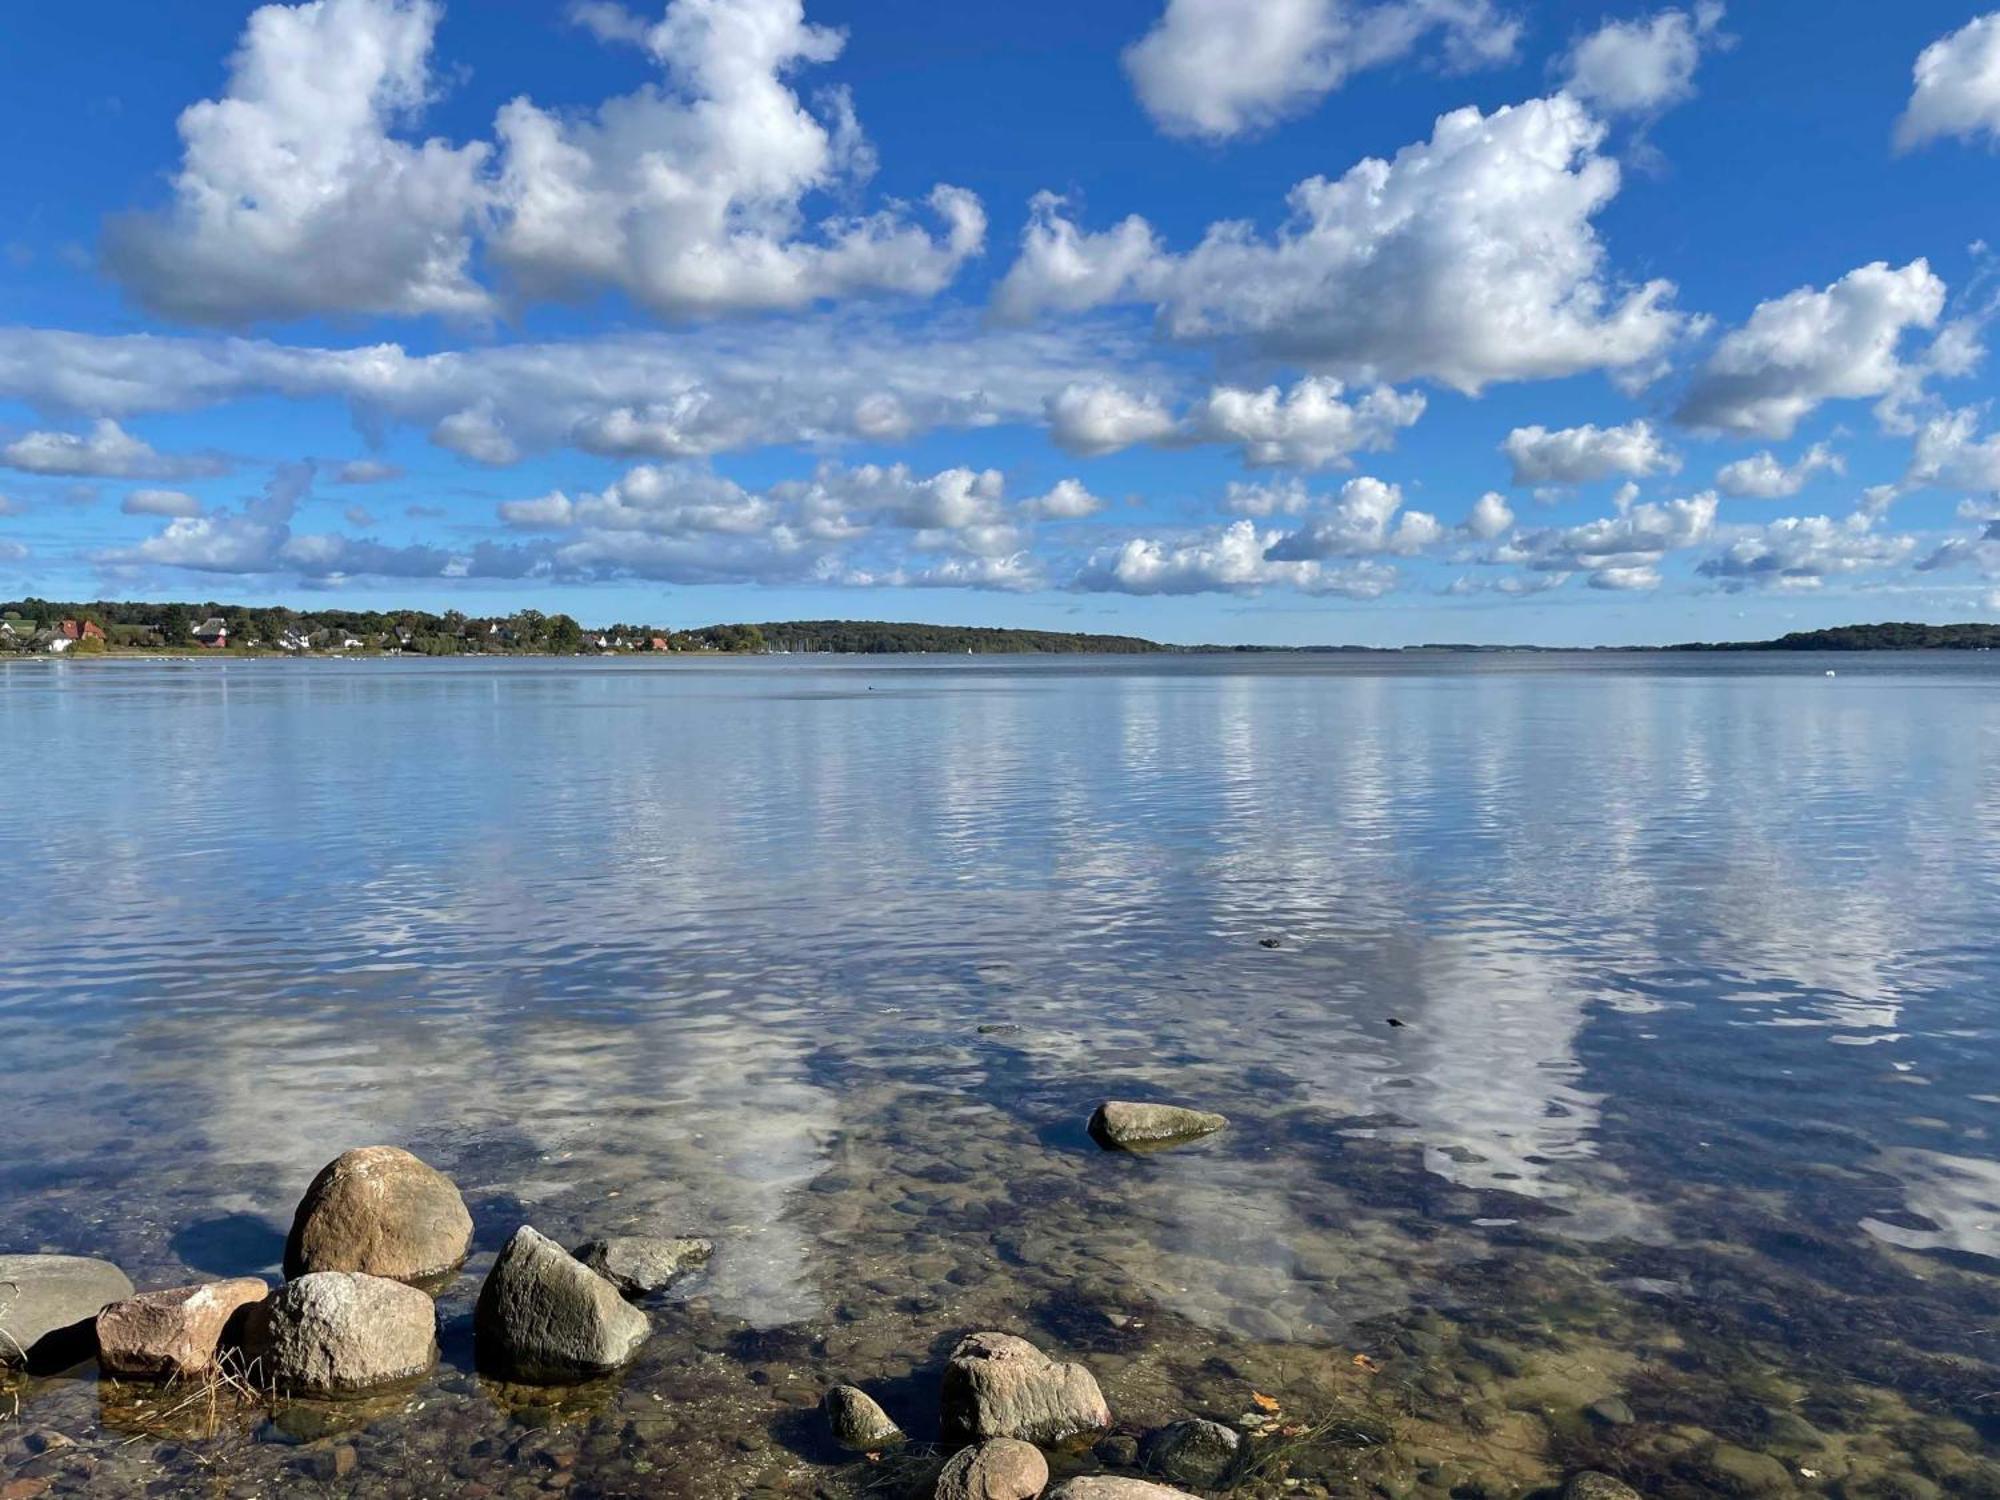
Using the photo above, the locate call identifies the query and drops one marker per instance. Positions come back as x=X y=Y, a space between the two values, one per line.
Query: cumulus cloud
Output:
x=1470 y=258
x=1950 y=454
x=160 y=503
x=299 y=193
x=1231 y=559
x=477 y=433
x=1642 y=66
x=1763 y=477
x=1490 y=517
x=1957 y=90
x=294 y=198
x=1618 y=551
x=1801 y=552
x=1218 y=68
x=1843 y=342
x=1584 y=455
x=691 y=196
x=1361 y=521
x=1310 y=426
x=107 y=451
x=1066 y=500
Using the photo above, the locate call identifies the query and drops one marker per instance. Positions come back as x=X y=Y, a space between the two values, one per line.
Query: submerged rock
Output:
x=1191 y=1452
x=1103 y=1487
x=1004 y=1469
x=546 y=1318
x=380 y=1211
x=997 y=1385
x=174 y=1333
x=1137 y=1127
x=333 y=1333
x=858 y=1421
x=640 y=1264
x=48 y=1304
x=1595 y=1486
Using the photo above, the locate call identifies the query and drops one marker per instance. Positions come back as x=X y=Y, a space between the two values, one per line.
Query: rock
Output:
x=1003 y=1469
x=164 y=1335
x=48 y=1304
x=1612 y=1411
x=1738 y=1471
x=379 y=1211
x=546 y=1318
x=858 y=1421
x=1120 y=1126
x=335 y=1332
x=1103 y=1487
x=1191 y=1452
x=1595 y=1486
x=639 y=1264
x=997 y=1385
x=1119 y=1451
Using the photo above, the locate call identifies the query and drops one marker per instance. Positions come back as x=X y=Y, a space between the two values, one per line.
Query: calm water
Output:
x=1692 y=1106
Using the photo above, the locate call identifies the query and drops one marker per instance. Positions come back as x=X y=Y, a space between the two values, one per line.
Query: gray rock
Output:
x=49 y=1304
x=1595 y=1486
x=640 y=1264
x=546 y=1318
x=997 y=1385
x=1103 y=1487
x=331 y=1333
x=1612 y=1411
x=1191 y=1452
x=172 y=1334
x=858 y=1421
x=1118 y=1125
x=380 y=1211
x=1003 y=1469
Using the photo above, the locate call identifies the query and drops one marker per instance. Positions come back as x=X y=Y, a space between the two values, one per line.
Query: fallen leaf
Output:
x=1363 y=1362
x=1269 y=1403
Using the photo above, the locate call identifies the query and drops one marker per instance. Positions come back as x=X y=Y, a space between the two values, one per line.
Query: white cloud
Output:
x=1310 y=426
x=1490 y=516
x=1101 y=417
x=1802 y=551
x=1586 y=454
x=366 y=471
x=293 y=198
x=107 y=451
x=1840 y=343
x=1217 y=68
x=478 y=434
x=1950 y=454
x=1066 y=500
x=1230 y=559
x=160 y=503
x=1626 y=579
x=1288 y=497
x=1470 y=258
x=1618 y=551
x=1957 y=89
x=1763 y=477
x=690 y=197
x=1641 y=66
x=1357 y=523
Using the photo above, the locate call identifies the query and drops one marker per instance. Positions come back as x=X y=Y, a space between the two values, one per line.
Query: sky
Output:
x=1247 y=321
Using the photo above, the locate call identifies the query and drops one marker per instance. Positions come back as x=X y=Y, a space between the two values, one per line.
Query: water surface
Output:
x=1690 y=1104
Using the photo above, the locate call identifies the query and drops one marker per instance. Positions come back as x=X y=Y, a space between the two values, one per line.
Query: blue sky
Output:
x=1294 y=321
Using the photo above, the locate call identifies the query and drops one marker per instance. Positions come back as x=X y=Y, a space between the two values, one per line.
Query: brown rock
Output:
x=331 y=1332
x=1003 y=1469
x=997 y=1385
x=380 y=1211
x=1119 y=1125
x=161 y=1335
x=1102 y=1487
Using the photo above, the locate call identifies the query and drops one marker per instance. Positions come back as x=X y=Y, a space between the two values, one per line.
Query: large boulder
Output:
x=546 y=1318
x=1103 y=1487
x=48 y=1304
x=640 y=1264
x=1003 y=1469
x=1191 y=1452
x=175 y=1333
x=331 y=1333
x=857 y=1420
x=1119 y=1125
x=380 y=1211
x=997 y=1385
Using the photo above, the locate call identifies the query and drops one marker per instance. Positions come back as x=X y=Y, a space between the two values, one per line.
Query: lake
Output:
x=1619 y=1092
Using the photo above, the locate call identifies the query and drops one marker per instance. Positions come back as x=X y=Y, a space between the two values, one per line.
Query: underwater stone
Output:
x=1191 y=1452
x=1595 y=1486
x=639 y=1264
x=1103 y=1487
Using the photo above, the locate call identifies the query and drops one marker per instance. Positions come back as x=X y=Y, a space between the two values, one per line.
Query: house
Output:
x=52 y=641
x=402 y=635
x=658 y=643
x=80 y=630
x=212 y=633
